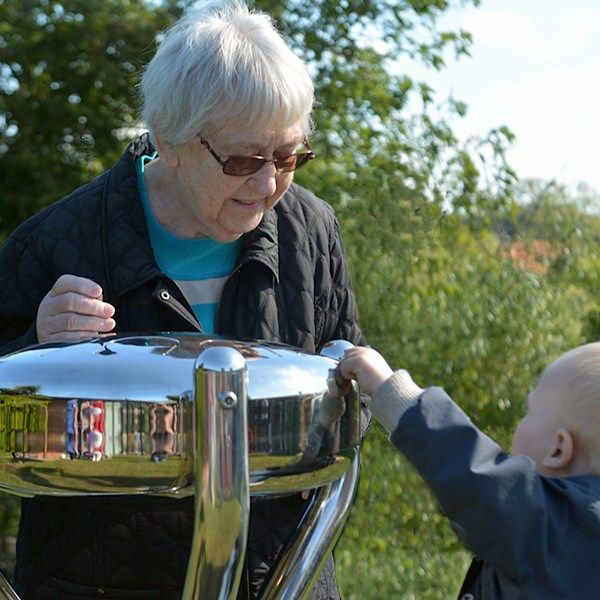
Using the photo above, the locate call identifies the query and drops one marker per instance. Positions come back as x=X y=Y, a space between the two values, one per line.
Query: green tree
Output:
x=68 y=75
x=366 y=120
x=568 y=221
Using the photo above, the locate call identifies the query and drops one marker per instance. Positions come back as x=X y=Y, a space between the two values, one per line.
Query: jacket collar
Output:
x=127 y=247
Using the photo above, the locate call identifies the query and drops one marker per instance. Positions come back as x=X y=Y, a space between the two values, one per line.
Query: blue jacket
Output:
x=534 y=537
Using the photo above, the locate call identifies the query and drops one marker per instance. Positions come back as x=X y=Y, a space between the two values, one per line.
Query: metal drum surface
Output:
x=116 y=415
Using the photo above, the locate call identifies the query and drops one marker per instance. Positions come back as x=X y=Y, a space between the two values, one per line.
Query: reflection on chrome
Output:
x=45 y=443
x=89 y=429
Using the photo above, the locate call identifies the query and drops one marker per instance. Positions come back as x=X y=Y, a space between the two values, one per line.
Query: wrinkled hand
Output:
x=73 y=310
x=365 y=365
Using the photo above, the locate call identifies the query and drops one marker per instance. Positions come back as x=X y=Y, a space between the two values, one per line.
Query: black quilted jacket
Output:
x=290 y=284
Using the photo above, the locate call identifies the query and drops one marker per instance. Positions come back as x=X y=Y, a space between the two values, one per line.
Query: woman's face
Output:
x=204 y=202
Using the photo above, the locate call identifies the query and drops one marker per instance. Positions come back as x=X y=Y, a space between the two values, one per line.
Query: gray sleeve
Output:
x=393 y=397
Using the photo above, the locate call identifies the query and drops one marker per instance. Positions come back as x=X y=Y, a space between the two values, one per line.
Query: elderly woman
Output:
x=197 y=227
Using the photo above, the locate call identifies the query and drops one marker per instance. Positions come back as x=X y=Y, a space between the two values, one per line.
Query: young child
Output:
x=531 y=518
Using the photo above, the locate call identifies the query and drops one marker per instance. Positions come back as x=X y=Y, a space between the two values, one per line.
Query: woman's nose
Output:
x=264 y=180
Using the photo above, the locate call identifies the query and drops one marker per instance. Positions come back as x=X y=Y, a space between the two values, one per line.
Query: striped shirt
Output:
x=199 y=267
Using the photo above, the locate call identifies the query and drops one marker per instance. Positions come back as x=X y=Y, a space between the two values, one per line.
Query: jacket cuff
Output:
x=393 y=397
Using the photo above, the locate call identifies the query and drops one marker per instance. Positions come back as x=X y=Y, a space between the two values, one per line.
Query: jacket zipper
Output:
x=164 y=296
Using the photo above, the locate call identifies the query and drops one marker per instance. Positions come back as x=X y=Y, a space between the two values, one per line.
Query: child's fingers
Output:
x=339 y=377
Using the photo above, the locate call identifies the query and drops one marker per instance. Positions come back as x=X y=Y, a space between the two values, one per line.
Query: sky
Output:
x=535 y=67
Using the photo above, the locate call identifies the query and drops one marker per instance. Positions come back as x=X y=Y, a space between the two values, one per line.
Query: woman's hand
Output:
x=73 y=310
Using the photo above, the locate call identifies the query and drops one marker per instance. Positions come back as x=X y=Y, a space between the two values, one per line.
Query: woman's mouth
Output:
x=249 y=203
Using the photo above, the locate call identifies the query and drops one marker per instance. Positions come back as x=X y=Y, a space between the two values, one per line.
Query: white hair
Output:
x=578 y=372
x=222 y=62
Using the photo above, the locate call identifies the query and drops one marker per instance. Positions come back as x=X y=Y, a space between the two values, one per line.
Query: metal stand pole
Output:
x=6 y=590
x=222 y=506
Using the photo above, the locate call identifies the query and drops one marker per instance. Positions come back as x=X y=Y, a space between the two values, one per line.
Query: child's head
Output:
x=561 y=430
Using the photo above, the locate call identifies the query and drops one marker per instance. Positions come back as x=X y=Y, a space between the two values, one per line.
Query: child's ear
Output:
x=169 y=153
x=561 y=453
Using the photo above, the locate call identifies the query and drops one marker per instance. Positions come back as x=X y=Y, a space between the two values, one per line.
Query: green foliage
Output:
x=67 y=92
x=570 y=221
x=591 y=328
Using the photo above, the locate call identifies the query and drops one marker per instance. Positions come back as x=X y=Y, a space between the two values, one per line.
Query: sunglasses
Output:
x=238 y=166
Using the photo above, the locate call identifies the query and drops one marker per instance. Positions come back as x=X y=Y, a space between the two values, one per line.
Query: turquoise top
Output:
x=199 y=267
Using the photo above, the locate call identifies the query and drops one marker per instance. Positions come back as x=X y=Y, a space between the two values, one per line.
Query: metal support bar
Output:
x=222 y=505
x=7 y=592
x=316 y=536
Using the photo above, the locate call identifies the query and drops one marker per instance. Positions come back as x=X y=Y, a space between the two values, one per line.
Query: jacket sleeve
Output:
x=23 y=284
x=501 y=508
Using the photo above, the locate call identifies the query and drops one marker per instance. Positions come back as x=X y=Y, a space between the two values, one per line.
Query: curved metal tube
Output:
x=222 y=504
x=322 y=524
x=316 y=535
x=6 y=590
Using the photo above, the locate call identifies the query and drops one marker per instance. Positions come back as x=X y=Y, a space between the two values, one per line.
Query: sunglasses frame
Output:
x=261 y=161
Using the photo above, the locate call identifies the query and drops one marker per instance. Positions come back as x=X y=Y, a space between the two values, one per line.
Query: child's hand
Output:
x=365 y=365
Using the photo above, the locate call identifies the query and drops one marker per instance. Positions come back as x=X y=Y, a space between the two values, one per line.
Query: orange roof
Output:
x=534 y=255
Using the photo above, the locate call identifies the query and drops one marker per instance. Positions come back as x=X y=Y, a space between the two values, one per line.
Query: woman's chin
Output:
x=233 y=232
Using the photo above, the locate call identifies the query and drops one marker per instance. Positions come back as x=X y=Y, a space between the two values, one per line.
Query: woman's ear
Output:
x=168 y=153
x=561 y=453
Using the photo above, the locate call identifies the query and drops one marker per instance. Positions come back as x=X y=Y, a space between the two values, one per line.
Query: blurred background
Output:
x=457 y=141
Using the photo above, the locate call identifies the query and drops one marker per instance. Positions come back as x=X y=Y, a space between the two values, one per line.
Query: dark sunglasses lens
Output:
x=242 y=165
x=248 y=165
x=285 y=164
x=302 y=158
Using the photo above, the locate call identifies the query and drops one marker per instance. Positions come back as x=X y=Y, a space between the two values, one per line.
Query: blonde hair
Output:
x=221 y=63
x=578 y=372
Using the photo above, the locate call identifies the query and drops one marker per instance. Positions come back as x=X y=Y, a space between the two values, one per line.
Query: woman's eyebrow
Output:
x=239 y=149
x=287 y=148
x=254 y=147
